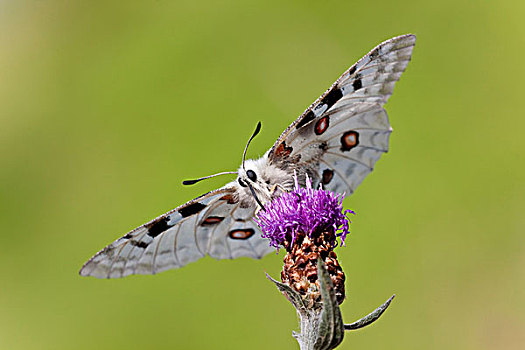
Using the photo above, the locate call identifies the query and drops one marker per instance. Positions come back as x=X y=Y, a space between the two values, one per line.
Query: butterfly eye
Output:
x=251 y=175
x=242 y=183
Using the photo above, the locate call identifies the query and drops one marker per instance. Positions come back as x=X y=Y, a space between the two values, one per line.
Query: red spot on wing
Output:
x=229 y=198
x=212 y=220
x=241 y=234
x=349 y=140
x=282 y=151
x=321 y=125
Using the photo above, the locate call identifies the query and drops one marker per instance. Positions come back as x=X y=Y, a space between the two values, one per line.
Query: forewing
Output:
x=338 y=139
x=213 y=224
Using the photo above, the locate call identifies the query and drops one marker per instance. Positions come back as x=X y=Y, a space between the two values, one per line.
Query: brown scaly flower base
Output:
x=300 y=266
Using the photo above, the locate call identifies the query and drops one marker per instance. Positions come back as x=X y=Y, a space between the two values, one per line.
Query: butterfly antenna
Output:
x=257 y=129
x=191 y=182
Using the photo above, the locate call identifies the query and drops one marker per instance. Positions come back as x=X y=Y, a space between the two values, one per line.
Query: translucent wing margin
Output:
x=213 y=224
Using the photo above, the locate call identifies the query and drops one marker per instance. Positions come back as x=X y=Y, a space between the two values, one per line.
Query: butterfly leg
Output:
x=274 y=188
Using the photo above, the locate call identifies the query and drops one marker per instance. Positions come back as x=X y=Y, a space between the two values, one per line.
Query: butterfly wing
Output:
x=215 y=224
x=339 y=138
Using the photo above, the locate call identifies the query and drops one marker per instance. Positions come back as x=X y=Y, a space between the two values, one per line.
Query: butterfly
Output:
x=335 y=142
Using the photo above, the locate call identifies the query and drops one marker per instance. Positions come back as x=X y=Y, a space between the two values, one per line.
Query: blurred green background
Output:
x=106 y=106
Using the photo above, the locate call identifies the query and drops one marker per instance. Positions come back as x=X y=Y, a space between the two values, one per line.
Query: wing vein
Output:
x=141 y=254
x=175 y=256
x=350 y=159
x=116 y=258
x=154 y=258
x=343 y=178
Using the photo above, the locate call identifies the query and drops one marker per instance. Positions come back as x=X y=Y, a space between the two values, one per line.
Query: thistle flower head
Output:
x=303 y=210
x=307 y=222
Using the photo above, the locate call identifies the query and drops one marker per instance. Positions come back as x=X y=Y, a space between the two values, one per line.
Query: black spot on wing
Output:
x=332 y=97
x=191 y=209
x=375 y=53
x=352 y=70
x=139 y=244
x=128 y=236
x=157 y=227
x=306 y=119
x=328 y=175
x=357 y=84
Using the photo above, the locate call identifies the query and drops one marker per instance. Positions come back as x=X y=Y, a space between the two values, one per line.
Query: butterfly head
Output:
x=252 y=174
x=259 y=178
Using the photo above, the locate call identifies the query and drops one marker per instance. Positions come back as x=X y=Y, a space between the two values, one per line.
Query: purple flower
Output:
x=303 y=210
